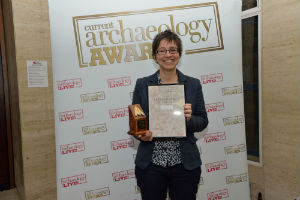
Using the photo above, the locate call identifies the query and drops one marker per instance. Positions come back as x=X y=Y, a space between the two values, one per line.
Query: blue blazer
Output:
x=193 y=95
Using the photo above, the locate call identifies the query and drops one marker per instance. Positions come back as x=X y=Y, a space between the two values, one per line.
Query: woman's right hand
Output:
x=147 y=137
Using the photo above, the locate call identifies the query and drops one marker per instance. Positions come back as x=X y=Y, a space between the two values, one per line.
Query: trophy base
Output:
x=136 y=133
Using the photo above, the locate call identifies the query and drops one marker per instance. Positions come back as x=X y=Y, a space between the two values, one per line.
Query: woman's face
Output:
x=167 y=60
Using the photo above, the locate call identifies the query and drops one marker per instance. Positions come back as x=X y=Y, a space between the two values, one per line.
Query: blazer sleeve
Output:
x=136 y=93
x=199 y=120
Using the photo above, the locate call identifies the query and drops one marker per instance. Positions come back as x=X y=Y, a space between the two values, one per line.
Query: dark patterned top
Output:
x=166 y=151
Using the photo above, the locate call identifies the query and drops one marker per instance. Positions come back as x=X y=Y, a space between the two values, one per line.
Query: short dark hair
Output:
x=168 y=35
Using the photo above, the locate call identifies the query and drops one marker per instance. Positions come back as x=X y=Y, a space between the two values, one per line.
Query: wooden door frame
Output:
x=6 y=101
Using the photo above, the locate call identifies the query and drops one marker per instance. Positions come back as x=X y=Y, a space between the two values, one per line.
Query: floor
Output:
x=9 y=195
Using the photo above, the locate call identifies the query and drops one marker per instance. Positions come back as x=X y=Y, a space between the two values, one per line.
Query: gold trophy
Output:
x=137 y=120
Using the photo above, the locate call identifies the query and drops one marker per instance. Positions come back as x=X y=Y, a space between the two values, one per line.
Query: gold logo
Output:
x=227 y=121
x=119 y=37
x=93 y=129
x=236 y=178
x=95 y=194
x=232 y=90
x=235 y=149
x=97 y=160
x=97 y=96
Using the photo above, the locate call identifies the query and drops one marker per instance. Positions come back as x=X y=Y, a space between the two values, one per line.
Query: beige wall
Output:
x=32 y=108
x=33 y=118
x=279 y=177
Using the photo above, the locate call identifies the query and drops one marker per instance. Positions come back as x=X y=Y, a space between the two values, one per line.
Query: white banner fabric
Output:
x=100 y=48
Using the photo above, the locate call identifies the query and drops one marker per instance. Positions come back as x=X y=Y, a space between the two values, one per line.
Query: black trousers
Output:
x=154 y=181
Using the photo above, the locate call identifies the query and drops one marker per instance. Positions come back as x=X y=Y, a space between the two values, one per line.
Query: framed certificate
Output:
x=166 y=110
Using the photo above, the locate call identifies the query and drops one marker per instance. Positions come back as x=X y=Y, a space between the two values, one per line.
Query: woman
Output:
x=171 y=164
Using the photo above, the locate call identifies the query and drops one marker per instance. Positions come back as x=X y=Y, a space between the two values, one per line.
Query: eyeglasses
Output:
x=162 y=52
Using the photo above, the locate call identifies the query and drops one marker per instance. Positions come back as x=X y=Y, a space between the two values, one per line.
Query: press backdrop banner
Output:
x=100 y=48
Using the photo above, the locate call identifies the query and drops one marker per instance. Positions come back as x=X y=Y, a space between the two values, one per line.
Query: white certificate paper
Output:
x=166 y=110
x=37 y=73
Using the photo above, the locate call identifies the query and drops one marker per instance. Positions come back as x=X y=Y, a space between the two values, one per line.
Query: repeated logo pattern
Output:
x=209 y=139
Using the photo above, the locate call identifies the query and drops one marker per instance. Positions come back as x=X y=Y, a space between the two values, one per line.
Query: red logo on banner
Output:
x=214 y=137
x=73 y=180
x=123 y=175
x=118 y=113
x=216 y=166
x=122 y=144
x=69 y=84
x=71 y=115
x=119 y=82
x=214 y=107
x=220 y=194
x=211 y=78
x=72 y=148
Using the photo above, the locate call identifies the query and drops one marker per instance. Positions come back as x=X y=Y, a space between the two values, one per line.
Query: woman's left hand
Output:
x=188 y=111
x=147 y=137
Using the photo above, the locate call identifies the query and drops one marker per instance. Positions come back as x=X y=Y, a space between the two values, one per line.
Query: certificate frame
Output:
x=166 y=110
